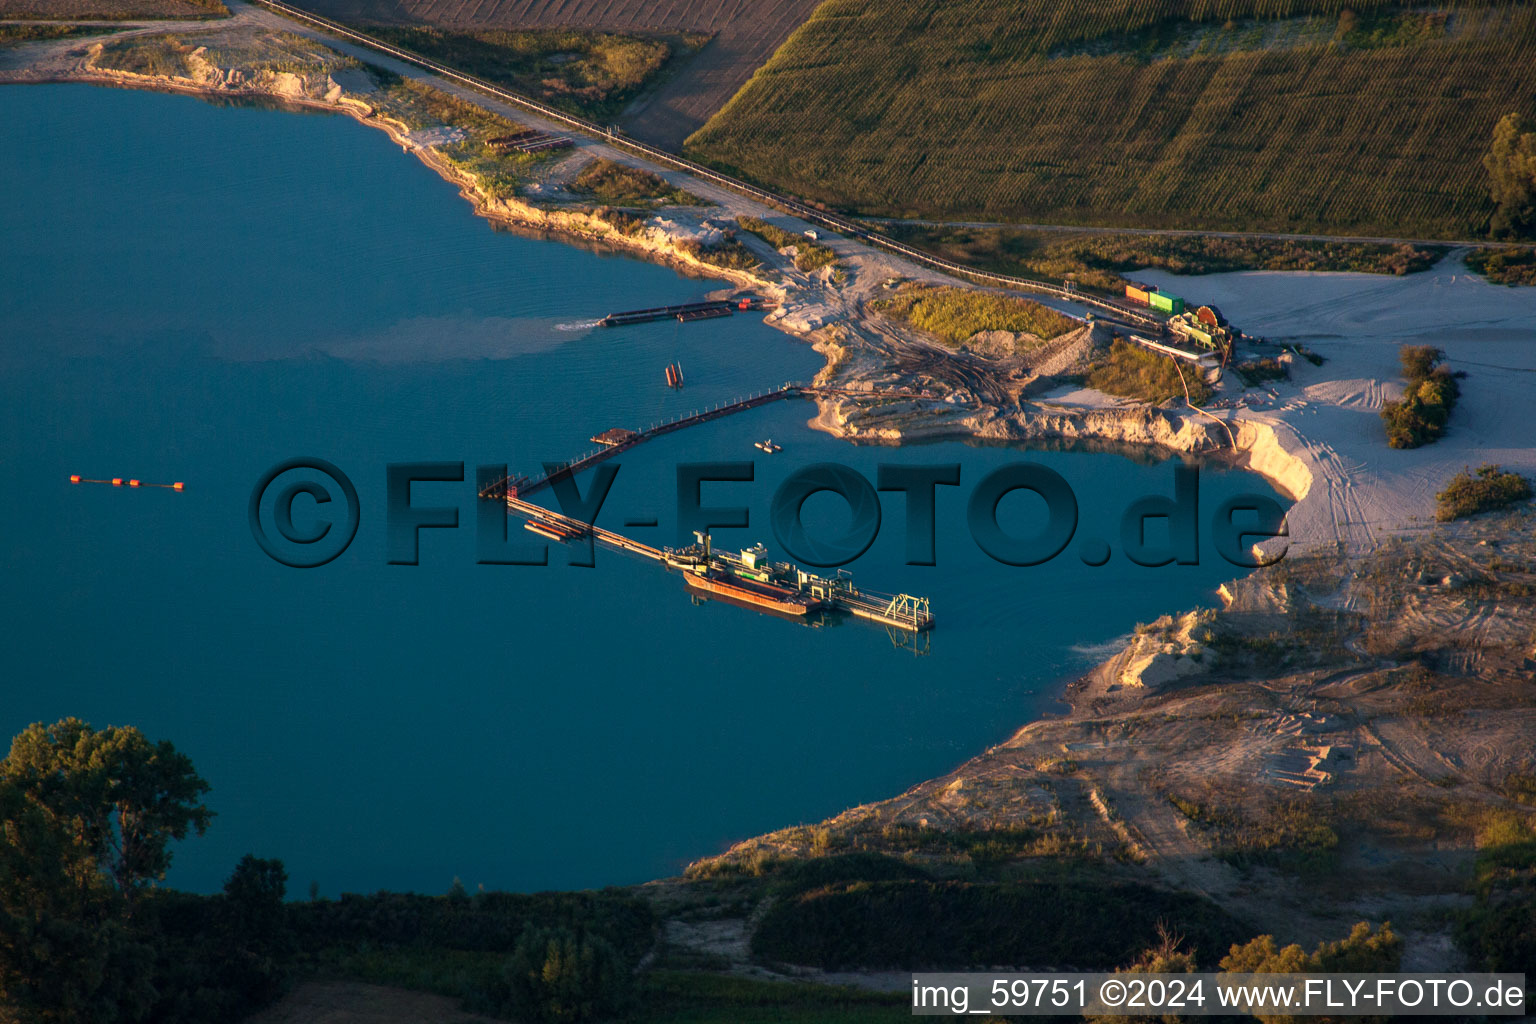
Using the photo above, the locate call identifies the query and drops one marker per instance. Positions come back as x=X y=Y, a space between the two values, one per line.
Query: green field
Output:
x=1282 y=115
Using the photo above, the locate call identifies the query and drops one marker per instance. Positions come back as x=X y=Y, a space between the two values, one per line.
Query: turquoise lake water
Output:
x=196 y=293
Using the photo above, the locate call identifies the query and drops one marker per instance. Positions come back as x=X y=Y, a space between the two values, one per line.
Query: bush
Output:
x=1490 y=487
x=557 y=976
x=1130 y=371
x=1428 y=398
x=1504 y=266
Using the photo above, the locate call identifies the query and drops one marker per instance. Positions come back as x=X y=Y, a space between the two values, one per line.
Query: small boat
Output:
x=674 y=375
x=768 y=446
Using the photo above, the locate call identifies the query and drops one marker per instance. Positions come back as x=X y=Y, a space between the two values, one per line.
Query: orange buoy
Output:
x=117 y=481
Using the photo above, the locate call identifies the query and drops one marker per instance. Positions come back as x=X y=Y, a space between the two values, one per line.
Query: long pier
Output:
x=523 y=486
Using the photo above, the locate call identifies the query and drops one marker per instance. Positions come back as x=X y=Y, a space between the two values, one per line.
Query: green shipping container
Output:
x=1166 y=303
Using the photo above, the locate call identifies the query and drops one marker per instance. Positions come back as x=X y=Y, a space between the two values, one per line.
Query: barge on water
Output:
x=753 y=567
x=685 y=311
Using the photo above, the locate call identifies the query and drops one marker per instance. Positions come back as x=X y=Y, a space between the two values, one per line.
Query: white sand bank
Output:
x=1327 y=418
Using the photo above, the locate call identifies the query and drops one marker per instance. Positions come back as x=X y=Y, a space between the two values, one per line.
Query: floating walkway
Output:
x=612 y=442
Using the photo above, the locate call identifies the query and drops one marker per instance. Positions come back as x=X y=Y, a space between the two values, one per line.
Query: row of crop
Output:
x=1008 y=27
x=1302 y=138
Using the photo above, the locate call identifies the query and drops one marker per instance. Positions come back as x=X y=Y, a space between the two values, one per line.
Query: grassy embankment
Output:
x=594 y=74
x=954 y=315
x=809 y=255
x=1309 y=116
x=1100 y=262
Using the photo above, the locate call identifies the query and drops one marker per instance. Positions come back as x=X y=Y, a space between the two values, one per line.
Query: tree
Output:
x=1511 y=164
x=86 y=818
x=118 y=799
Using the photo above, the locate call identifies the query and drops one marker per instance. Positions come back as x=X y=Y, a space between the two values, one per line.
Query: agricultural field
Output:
x=594 y=74
x=1305 y=116
x=111 y=10
x=743 y=35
